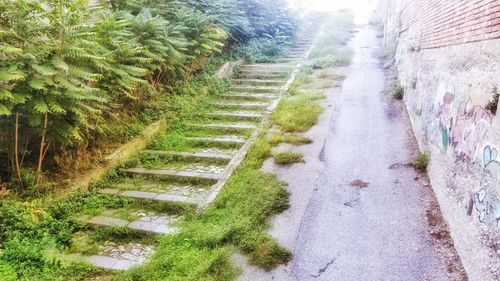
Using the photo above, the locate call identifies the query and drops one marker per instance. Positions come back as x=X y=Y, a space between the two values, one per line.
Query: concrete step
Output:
x=254 y=89
x=249 y=96
x=286 y=60
x=144 y=221
x=245 y=115
x=196 y=155
x=267 y=66
x=169 y=196
x=228 y=126
x=258 y=82
x=243 y=105
x=120 y=256
x=275 y=71
x=221 y=140
x=179 y=174
x=260 y=75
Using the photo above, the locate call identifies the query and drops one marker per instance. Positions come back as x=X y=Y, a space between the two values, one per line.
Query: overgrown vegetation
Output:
x=296 y=113
x=288 y=157
x=36 y=234
x=76 y=80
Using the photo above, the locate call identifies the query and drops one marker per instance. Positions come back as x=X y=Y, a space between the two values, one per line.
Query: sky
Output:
x=362 y=9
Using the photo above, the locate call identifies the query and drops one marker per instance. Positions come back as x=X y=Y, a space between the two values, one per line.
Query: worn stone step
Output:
x=197 y=155
x=267 y=66
x=173 y=173
x=260 y=75
x=253 y=96
x=221 y=140
x=275 y=71
x=254 y=89
x=120 y=257
x=243 y=105
x=169 y=196
x=258 y=82
x=143 y=221
x=286 y=60
x=227 y=126
x=236 y=114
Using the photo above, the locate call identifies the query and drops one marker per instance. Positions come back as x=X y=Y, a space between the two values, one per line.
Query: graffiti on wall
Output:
x=490 y=156
x=486 y=206
x=454 y=123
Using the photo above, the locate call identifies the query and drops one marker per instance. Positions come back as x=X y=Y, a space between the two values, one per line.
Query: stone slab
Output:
x=239 y=115
x=228 y=126
x=223 y=140
x=108 y=221
x=199 y=155
x=151 y=227
x=139 y=194
x=243 y=104
x=172 y=173
x=249 y=96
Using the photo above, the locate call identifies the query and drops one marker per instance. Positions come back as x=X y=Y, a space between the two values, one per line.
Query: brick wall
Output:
x=440 y=23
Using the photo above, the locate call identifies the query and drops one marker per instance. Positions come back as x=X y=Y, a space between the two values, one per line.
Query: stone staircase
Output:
x=188 y=177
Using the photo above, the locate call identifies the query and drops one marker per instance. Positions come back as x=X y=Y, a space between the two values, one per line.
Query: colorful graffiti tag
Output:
x=490 y=155
x=454 y=123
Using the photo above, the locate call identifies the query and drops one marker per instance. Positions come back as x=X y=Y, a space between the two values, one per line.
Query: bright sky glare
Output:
x=362 y=9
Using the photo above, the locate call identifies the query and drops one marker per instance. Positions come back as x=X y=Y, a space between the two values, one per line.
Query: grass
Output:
x=35 y=233
x=237 y=219
x=297 y=113
x=398 y=93
x=288 y=157
x=421 y=162
x=296 y=139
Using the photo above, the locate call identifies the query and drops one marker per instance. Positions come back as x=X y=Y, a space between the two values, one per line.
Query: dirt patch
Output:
x=359 y=184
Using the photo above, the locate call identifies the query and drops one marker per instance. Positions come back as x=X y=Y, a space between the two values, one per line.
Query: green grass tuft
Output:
x=288 y=157
x=296 y=114
x=398 y=93
x=421 y=162
x=296 y=139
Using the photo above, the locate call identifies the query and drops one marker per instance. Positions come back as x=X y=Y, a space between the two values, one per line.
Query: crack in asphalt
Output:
x=324 y=268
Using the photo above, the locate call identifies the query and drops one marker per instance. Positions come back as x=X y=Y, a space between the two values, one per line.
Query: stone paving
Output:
x=189 y=176
x=138 y=220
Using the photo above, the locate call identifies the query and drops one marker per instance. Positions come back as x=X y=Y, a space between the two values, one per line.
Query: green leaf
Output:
x=40 y=106
x=4 y=110
x=5 y=94
x=9 y=75
x=59 y=63
x=10 y=50
x=38 y=84
x=44 y=70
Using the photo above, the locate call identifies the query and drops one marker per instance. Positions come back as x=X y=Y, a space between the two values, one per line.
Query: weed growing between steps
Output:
x=238 y=218
x=288 y=157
